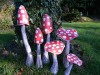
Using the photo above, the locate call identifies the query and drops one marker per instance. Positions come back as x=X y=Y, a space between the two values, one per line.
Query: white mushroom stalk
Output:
x=47 y=25
x=55 y=47
x=22 y=21
x=54 y=67
x=66 y=52
x=38 y=40
x=38 y=60
x=29 y=60
x=73 y=59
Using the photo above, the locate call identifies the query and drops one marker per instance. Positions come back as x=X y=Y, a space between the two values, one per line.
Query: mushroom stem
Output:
x=54 y=67
x=45 y=54
x=39 y=61
x=67 y=50
x=68 y=70
x=29 y=60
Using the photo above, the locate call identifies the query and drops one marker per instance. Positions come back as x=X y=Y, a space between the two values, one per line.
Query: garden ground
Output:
x=88 y=41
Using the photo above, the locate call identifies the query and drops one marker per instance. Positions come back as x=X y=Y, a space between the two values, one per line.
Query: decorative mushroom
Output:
x=73 y=59
x=38 y=40
x=55 y=47
x=47 y=29
x=22 y=21
x=67 y=35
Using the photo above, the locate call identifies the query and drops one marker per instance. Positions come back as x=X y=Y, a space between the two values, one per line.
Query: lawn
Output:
x=89 y=41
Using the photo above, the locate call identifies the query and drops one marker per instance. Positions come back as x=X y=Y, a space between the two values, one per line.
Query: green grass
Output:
x=89 y=41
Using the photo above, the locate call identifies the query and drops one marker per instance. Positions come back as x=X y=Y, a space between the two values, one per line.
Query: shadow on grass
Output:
x=4 y=38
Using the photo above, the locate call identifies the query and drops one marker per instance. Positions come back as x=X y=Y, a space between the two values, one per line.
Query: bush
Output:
x=73 y=15
x=6 y=11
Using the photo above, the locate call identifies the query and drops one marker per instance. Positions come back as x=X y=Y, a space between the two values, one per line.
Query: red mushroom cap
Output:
x=38 y=36
x=22 y=18
x=47 y=24
x=55 y=47
x=67 y=34
x=73 y=32
x=72 y=58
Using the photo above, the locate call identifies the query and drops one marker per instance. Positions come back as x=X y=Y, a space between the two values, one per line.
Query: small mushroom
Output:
x=23 y=21
x=67 y=35
x=38 y=40
x=73 y=59
x=47 y=29
x=55 y=47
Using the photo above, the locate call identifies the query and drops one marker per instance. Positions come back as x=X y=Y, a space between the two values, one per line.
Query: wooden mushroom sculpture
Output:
x=22 y=21
x=73 y=59
x=55 y=47
x=38 y=40
x=67 y=35
x=47 y=29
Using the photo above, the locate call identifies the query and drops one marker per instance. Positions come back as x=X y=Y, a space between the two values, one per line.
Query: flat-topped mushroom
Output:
x=22 y=20
x=38 y=40
x=55 y=47
x=47 y=29
x=67 y=35
x=73 y=59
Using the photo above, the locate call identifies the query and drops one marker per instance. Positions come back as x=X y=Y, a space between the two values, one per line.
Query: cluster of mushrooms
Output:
x=55 y=47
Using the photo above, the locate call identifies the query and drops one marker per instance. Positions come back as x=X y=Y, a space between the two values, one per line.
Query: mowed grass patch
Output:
x=89 y=40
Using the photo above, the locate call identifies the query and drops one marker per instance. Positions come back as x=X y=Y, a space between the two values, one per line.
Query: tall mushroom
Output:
x=22 y=21
x=55 y=47
x=47 y=29
x=38 y=40
x=67 y=35
x=73 y=59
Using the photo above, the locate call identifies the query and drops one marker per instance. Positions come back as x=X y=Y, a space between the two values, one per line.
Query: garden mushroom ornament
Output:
x=73 y=59
x=67 y=35
x=23 y=21
x=47 y=29
x=38 y=40
x=55 y=47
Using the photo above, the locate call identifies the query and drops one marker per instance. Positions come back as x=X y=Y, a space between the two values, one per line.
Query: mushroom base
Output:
x=39 y=62
x=68 y=70
x=29 y=60
x=65 y=61
x=45 y=58
x=54 y=67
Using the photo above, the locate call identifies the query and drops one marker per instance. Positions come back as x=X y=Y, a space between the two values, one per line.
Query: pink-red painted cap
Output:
x=38 y=36
x=22 y=17
x=67 y=34
x=47 y=24
x=72 y=58
x=55 y=47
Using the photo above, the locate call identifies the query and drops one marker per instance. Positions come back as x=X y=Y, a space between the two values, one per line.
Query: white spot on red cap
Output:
x=44 y=19
x=41 y=40
x=48 y=23
x=64 y=37
x=22 y=11
x=46 y=30
x=40 y=35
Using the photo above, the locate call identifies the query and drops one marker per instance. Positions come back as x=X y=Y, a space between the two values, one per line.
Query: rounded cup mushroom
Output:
x=73 y=59
x=38 y=40
x=67 y=35
x=55 y=47
x=23 y=21
x=47 y=29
